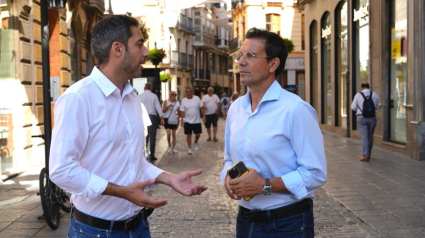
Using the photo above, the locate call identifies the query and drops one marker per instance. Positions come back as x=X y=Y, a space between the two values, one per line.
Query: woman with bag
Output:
x=171 y=117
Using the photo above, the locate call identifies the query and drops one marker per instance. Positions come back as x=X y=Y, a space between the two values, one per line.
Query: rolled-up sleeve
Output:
x=69 y=140
x=228 y=162
x=307 y=142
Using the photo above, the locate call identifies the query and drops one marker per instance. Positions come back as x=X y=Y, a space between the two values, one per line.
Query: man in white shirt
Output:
x=191 y=119
x=277 y=135
x=211 y=105
x=95 y=152
x=151 y=102
x=366 y=118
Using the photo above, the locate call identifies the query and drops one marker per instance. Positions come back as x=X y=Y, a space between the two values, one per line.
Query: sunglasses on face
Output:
x=173 y=94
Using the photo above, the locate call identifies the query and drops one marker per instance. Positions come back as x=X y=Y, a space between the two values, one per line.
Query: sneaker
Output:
x=189 y=151
x=175 y=151
x=215 y=139
x=209 y=139
x=169 y=149
x=196 y=146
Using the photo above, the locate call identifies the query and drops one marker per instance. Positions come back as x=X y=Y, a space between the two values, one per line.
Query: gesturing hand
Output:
x=182 y=183
x=135 y=194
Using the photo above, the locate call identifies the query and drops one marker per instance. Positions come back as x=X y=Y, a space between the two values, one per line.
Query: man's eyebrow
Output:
x=141 y=40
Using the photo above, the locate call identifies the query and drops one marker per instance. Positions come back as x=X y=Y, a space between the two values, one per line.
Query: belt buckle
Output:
x=130 y=224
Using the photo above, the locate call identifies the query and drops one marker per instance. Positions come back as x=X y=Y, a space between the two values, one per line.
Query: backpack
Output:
x=225 y=101
x=368 y=106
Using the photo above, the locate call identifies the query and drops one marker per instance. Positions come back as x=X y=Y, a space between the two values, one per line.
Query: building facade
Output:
x=21 y=90
x=285 y=18
x=381 y=42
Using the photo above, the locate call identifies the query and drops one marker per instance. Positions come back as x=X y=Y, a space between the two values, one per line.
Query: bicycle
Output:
x=52 y=197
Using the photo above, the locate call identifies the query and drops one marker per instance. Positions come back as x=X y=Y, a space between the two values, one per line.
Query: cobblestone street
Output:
x=382 y=198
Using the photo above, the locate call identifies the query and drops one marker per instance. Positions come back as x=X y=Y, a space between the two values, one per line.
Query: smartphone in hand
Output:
x=237 y=170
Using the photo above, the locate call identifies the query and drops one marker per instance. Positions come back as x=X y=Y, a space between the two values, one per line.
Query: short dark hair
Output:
x=114 y=28
x=189 y=88
x=148 y=86
x=365 y=85
x=275 y=46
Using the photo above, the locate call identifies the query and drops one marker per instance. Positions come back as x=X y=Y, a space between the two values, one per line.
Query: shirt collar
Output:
x=272 y=93
x=106 y=85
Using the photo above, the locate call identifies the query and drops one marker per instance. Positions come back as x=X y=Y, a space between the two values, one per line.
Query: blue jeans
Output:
x=297 y=226
x=366 y=128
x=81 y=230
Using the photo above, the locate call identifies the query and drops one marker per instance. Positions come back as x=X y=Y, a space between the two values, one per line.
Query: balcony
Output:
x=205 y=41
x=185 y=23
x=181 y=60
x=235 y=44
x=202 y=74
x=222 y=44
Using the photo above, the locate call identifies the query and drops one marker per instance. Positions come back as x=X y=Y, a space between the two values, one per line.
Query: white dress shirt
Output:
x=358 y=100
x=281 y=138
x=98 y=138
x=151 y=102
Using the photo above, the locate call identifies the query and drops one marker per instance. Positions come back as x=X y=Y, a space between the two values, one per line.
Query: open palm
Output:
x=182 y=183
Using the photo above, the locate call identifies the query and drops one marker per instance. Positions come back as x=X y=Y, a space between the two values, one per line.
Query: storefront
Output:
x=344 y=50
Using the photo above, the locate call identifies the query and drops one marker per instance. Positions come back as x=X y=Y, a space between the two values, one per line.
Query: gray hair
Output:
x=114 y=28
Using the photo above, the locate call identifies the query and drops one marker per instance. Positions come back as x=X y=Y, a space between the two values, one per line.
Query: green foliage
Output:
x=144 y=31
x=156 y=55
x=165 y=77
x=289 y=44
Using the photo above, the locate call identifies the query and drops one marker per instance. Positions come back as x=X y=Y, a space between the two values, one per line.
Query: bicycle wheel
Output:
x=66 y=203
x=48 y=200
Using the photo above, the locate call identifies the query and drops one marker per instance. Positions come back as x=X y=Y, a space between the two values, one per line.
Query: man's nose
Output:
x=145 y=52
x=242 y=60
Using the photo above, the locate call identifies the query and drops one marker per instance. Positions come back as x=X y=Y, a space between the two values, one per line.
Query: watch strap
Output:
x=267 y=182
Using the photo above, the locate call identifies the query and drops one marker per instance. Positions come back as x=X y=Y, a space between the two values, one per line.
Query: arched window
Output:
x=341 y=42
x=314 y=56
x=73 y=55
x=273 y=23
x=326 y=68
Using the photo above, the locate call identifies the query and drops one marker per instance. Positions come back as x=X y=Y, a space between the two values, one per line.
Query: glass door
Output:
x=341 y=64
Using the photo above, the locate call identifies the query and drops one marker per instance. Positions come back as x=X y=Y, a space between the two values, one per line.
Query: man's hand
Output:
x=228 y=190
x=204 y=119
x=162 y=121
x=248 y=185
x=182 y=123
x=135 y=194
x=182 y=183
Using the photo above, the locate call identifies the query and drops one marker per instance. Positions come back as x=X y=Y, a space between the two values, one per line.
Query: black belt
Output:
x=286 y=211
x=99 y=223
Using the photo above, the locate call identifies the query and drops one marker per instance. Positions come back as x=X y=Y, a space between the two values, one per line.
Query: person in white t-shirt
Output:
x=211 y=105
x=191 y=119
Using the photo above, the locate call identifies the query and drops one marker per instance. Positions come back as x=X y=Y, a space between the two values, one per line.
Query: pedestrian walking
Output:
x=190 y=110
x=211 y=105
x=95 y=152
x=171 y=120
x=277 y=135
x=224 y=105
x=235 y=96
x=365 y=107
x=153 y=106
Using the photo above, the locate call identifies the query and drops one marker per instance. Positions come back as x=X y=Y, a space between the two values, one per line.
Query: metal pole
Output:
x=46 y=78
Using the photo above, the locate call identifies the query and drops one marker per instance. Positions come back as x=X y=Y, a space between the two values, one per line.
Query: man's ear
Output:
x=274 y=64
x=117 y=49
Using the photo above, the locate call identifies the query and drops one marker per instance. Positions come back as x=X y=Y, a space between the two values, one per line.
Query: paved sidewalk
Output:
x=382 y=198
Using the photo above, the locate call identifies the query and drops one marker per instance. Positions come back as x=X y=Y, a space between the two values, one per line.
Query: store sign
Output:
x=362 y=13
x=326 y=32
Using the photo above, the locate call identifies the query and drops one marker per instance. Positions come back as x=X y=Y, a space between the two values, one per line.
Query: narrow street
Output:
x=382 y=198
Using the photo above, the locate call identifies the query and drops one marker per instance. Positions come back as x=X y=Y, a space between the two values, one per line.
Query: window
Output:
x=341 y=41
x=273 y=23
x=398 y=75
x=314 y=56
x=302 y=32
x=326 y=69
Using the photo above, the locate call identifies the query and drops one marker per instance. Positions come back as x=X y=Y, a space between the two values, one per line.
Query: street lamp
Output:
x=44 y=8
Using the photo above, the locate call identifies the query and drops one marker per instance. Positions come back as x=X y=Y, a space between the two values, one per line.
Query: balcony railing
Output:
x=235 y=44
x=183 y=59
x=185 y=23
x=203 y=74
x=190 y=58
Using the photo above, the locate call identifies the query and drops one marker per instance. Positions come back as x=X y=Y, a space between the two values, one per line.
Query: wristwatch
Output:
x=267 y=189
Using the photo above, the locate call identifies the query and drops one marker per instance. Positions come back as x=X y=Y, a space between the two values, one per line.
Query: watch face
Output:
x=267 y=190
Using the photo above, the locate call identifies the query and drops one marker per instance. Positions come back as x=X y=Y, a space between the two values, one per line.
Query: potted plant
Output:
x=156 y=56
x=144 y=31
x=165 y=77
x=289 y=44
